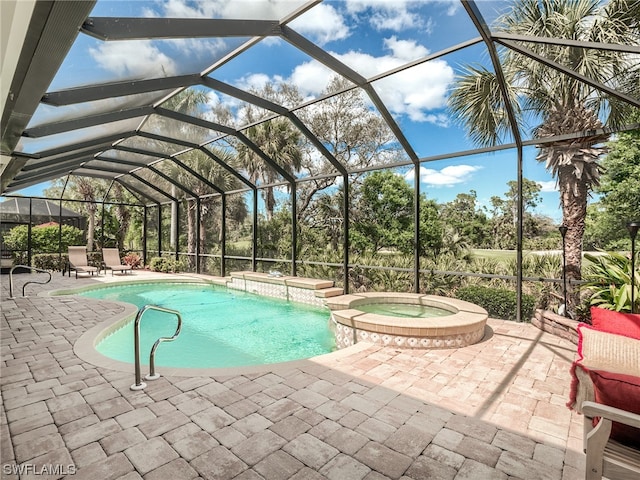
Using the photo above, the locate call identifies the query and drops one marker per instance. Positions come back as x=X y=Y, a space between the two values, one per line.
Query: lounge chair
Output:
x=111 y=260
x=78 y=261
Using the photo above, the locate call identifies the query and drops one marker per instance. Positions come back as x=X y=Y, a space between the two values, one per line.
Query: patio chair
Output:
x=605 y=456
x=111 y=260
x=605 y=388
x=78 y=261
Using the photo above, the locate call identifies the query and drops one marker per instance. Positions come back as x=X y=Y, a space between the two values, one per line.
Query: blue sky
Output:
x=370 y=36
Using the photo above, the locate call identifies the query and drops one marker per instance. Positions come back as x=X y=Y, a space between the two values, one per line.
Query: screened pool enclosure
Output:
x=218 y=118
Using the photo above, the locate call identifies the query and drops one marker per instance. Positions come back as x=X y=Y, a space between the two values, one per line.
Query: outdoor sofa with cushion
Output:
x=606 y=389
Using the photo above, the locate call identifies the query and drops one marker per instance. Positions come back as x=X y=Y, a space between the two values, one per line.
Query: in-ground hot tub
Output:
x=457 y=324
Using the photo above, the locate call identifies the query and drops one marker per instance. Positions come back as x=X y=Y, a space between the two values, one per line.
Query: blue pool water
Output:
x=404 y=310
x=220 y=327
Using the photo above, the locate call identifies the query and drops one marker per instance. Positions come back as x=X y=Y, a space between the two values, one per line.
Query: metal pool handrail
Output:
x=26 y=283
x=139 y=385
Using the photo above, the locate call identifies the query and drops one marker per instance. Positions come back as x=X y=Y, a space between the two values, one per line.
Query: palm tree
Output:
x=280 y=141
x=558 y=103
x=123 y=215
x=87 y=191
x=190 y=102
x=215 y=174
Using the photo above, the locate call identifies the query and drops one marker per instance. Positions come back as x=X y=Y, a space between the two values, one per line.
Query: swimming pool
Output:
x=404 y=310
x=220 y=327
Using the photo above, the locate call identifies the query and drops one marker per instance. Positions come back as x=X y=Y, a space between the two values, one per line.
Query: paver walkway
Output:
x=495 y=410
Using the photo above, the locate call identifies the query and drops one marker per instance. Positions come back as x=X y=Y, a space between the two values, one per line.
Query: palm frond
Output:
x=477 y=103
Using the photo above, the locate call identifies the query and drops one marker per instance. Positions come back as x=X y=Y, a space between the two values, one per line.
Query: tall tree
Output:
x=384 y=212
x=193 y=101
x=90 y=191
x=559 y=103
x=123 y=215
x=277 y=138
x=87 y=191
x=384 y=218
x=218 y=176
x=352 y=132
x=467 y=219
x=619 y=193
x=281 y=143
x=504 y=213
x=190 y=102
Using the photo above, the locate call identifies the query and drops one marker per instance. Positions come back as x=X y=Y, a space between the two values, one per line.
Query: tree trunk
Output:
x=174 y=218
x=191 y=232
x=269 y=202
x=574 y=211
x=91 y=227
x=203 y=230
x=123 y=216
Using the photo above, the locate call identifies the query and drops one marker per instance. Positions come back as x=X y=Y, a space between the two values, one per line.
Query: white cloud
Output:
x=405 y=49
x=394 y=20
x=133 y=59
x=213 y=99
x=311 y=78
x=385 y=14
x=177 y=9
x=412 y=93
x=242 y=9
x=418 y=90
x=322 y=23
x=550 y=186
x=454 y=6
x=193 y=50
x=448 y=176
x=255 y=81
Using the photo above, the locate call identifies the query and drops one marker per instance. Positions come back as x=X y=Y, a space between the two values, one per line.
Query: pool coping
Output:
x=464 y=326
x=85 y=346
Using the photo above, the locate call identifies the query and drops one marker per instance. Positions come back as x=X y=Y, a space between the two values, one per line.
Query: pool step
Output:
x=329 y=292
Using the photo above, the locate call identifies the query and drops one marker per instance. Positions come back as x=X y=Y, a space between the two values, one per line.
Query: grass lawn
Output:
x=507 y=255
x=240 y=245
x=500 y=255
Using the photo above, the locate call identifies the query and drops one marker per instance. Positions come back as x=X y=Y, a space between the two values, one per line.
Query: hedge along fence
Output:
x=498 y=302
x=57 y=262
x=50 y=261
x=46 y=242
x=166 y=265
x=43 y=239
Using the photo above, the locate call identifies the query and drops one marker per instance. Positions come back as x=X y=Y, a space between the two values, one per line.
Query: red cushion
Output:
x=623 y=392
x=610 y=321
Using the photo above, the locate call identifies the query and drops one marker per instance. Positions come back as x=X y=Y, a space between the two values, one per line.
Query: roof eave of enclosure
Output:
x=51 y=30
x=42 y=33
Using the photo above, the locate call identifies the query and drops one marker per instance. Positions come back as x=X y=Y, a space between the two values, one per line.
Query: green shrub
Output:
x=50 y=261
x=43 y=239
x=133 y=260
x=608 y=281
x=498 y=302
x=165 y=265
x=56 y=262
x=157 y=264
x=94 y=258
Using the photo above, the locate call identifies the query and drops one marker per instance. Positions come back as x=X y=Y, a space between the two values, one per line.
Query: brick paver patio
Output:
x=495 y=410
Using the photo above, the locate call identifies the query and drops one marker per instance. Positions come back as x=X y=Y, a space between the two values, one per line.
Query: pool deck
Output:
x=493 y=410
